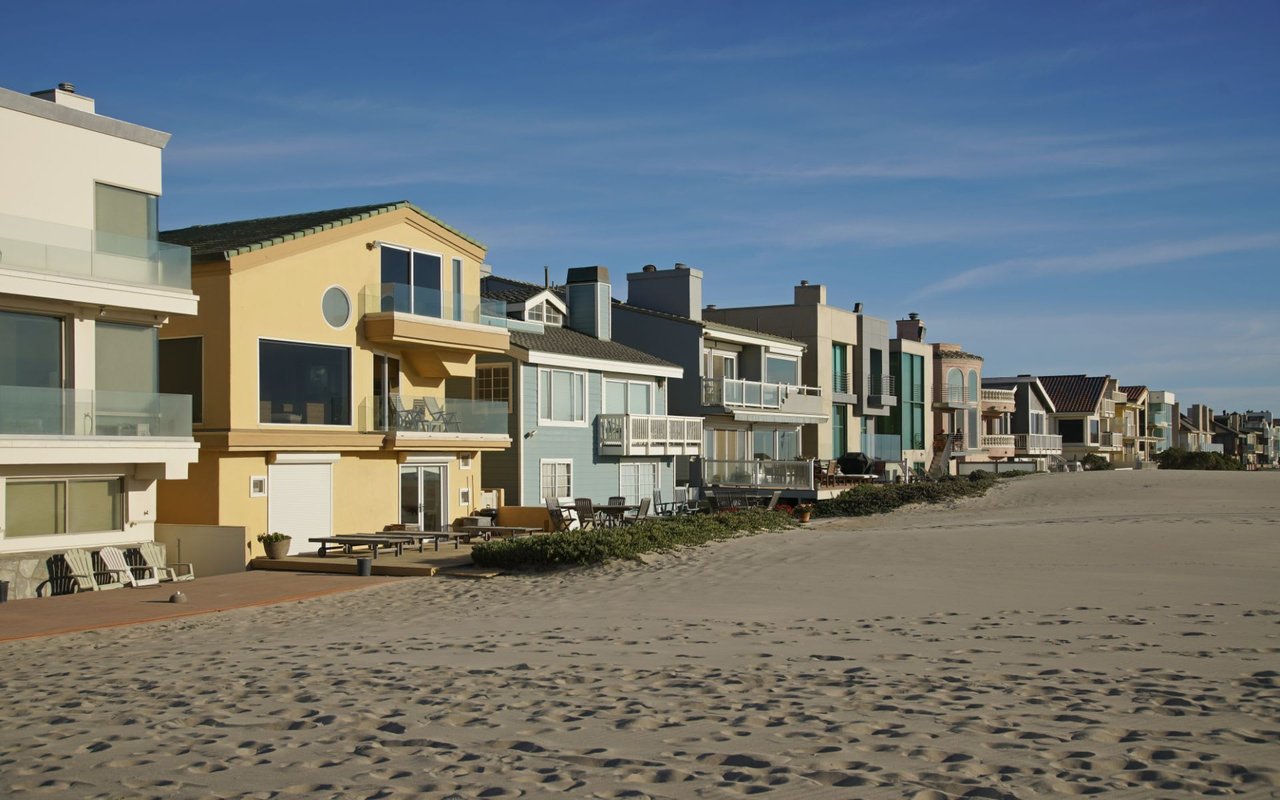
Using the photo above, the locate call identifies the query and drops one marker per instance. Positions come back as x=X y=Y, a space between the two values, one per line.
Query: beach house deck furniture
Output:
x=350 y=541
x=85 y=577
x=440 y=419
x=415 y=537
x=586 y=513
x=642 y=513
x=154 y=557
x=113 y=558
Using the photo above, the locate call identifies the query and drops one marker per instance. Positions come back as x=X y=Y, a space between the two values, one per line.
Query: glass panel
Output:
x=304 y=383
x=781 y=370
x=973 y=386
x=127 y=357
x=125 y=221
x=579 y=401
x=433 y=501
x=96 y=505
x=30 y=350
x=426 y=285
x=457 y=289
x=336 y=307
x=180 y=364
x=562 y=396
x=409 y=496
x=640 y=399
x=34 y=508
x=615 y=397
x=789 y=444
x=839 y=435
x=544 y=394
x=395 y=280
x=763 y=445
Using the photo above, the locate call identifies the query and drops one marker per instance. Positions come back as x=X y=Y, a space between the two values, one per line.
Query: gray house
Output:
x=587 y=413
x=1030 y=421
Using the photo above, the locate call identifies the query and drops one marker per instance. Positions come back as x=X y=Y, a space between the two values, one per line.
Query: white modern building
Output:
x=85 y=430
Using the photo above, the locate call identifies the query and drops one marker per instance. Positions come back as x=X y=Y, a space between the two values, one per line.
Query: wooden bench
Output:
x=487 y=532
x=420 y=537
x=374 y=542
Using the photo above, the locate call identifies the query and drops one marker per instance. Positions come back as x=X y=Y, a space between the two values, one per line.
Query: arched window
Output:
x=955 y=386
x=973 y=386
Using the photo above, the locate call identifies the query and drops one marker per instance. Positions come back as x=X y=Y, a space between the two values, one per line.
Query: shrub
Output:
x=579 y=548
x=1093 y=461
x=1014 y=473
x=879 y=498
x=267 y=538
x=1177 y=458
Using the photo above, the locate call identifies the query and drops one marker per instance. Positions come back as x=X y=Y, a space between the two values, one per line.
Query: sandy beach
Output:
x=1113 y=634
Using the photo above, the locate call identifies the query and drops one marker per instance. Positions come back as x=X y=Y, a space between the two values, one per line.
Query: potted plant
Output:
x=803 y=512
x=276 y=544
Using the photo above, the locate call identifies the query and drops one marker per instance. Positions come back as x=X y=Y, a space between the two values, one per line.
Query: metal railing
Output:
x=842 y=382
x=39 y=246
x=883 y=385
x=433 y=303
x=950 y=395
x=996 y=441
x=379 y=414
x=650 y=434
x=1002 y=396
x=1037 y=443
x=761 y=473
x=30 y=411
x=754 y=394
x=882 y=446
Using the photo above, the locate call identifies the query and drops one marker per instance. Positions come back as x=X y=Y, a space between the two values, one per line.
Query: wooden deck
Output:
x=446 y=561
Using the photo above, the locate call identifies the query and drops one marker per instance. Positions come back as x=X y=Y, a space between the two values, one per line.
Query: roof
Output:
x=225 y=240
x=1133 y=393
x=568 y=342
x=1073 y=394
x=956 y=354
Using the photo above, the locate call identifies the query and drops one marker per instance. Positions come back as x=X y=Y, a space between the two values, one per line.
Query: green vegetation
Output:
x=580 y=548
x=1177 y=458
x=879 y=498
x=268 y=538
x=1093 y=462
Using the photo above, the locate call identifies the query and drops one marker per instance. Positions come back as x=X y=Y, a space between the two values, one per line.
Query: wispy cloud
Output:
x=1140 y=255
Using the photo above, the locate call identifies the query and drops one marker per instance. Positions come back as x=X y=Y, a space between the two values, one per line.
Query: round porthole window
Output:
x=336 y=307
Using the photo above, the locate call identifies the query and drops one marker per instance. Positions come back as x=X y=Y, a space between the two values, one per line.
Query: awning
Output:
x=778 y=417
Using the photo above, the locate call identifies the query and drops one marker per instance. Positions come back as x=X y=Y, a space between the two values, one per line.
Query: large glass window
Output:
x=628 y=397
x=79 y=505
x=181 y=371
x=411 y=282
x=30 y=350
x=637 y=480
x=304 y=384
x=1071 y=431
x=780 y=369
x=973 y=386
x=840 y=368
x=556 y=479
x=561 y=396
x=955 y=386
x=125 y=222
x=839 y=430
x=494 y=383
x=126 y=359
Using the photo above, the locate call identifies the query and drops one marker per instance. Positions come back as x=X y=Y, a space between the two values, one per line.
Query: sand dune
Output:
x=1113 y=634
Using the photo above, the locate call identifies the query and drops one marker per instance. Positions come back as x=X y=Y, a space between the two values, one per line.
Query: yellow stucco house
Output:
x=333 y=373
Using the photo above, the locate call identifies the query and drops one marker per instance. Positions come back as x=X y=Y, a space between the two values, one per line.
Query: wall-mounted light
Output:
x=531 y=434
x=102 y=311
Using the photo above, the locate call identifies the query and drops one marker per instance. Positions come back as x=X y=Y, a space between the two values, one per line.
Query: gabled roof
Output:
x=510 y=290
x=568 y=342
x=1133 y=393
x=956 y=354
x=225 y=240
x=1074 y=394
x=1030 y=380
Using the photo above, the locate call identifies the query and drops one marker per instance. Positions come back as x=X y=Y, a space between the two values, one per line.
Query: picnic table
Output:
x=371 y=541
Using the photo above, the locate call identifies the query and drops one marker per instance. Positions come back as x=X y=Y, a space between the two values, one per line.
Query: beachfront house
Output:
x=846 y=358
x=911 y=367
x=333 y=364
x=1030 y=421
x=744 y=385
x=85 y=430
x=1084 y=415
x=1162 y=419
x=1195 y=430
x=588 y=414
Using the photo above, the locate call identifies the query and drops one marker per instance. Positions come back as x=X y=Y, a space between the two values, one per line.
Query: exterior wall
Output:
x=210 y=549
x=971 y=413
x=674 y=340
x=916 y=456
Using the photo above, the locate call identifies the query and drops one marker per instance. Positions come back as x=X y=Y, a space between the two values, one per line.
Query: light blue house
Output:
x=587 y=414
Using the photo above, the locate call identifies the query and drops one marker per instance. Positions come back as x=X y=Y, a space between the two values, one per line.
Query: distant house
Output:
x=911 y=367
x=1085 y=415
x=1162 y=420
x=588 y=414
x=972 y=424
x=1030 y=421
x=334 y=359
x=1134 y=414
x=1195 y=430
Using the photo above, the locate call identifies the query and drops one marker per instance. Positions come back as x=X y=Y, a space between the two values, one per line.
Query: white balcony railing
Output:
x=999 y=396
x=1037 y=444
x=649 y=435
x=40 y=246
x=738 y=393
x=31 y=411
x=996 y=442
x=1110 y=441
x=1108 y=408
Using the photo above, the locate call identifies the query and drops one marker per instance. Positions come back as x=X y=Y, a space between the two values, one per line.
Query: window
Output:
x=557 y=478
x=637 y=480
x=955 y=386
x=181 y=371
x=1036 y=422
x=464 y=461
x=126 y=361
x=456 y=265
x=544 y=312
x=493 y=383
x=1094 y=435
x=30 y=350
x=410 y=281
x=781 y=369
x=464 y=498
x=74 y=505
x=840 y=368
x=1071 y=430
x=304 y=384
x=725 y=445
x=628 y=397
x=973 y=386
x=258 y=486
x=125 y=222
x=336 y=307
x=839 y=430
x=561 y=396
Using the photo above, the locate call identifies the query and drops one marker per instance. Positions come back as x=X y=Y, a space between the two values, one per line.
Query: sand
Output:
x=1113 y=634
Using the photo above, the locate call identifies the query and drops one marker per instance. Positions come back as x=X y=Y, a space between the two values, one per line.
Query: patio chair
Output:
x=85 y=576
x=404 y=419
x=617 y=500
x=441 y=419
x=642 y=513
x=586 y=514
x=113 y=558
x=154 y=558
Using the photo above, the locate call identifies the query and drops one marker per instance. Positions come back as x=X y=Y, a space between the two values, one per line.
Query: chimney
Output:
x=911 y=328
x=675 y=291
x=807 y=294
x=64 y=94
x=590 y=300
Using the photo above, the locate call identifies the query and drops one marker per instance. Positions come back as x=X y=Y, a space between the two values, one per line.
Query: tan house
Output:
x=333 y=366
x=1085 y=415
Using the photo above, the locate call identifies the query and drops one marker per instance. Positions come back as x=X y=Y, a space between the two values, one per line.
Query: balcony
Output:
x=998 y=401
x=1037 y=444
x=997 y=445
x=882 y=446
x=420 y=421
x=733 y=393
x=842 y=388
x=1110 y=441
x=29 y=411
x=648 y=435
x=1108 y=409
x=882 y=390
x=950 y=396
x=437 y=331
x=758 y=474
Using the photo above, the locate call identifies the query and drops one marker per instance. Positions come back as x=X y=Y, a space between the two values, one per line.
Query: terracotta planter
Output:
x=278 y=549
x=803 y=516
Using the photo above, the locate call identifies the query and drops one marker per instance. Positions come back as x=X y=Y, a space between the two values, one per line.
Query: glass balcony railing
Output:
x=757 y=474
x=30 y=411
x=737 y=393
x=433 y=415
x=882 y=446
x=950 y=395
x=434 y=303
x=39 y=246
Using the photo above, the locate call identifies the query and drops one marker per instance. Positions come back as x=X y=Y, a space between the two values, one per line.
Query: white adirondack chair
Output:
x=114 y=558
x=179 y=571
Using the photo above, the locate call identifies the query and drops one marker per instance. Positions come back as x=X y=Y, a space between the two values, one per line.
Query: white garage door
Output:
x=300 y=502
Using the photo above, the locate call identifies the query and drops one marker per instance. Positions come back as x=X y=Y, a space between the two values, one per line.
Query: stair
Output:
x=941 y=454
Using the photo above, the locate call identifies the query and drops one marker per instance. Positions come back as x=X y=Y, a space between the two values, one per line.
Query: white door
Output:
x=300 y=502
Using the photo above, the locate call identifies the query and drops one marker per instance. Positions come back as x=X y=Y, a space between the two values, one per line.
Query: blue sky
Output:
x=1070 y=187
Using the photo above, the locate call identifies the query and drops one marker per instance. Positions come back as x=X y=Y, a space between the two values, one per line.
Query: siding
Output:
x=501 y=470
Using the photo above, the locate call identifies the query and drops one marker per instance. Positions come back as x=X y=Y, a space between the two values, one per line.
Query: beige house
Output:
x=85 y=433
x=333 y=364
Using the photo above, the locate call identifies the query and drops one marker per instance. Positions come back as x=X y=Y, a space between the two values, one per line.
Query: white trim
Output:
x=651 y=386
x=544 y=461
x=464 y=460
x=305 y=458
x=745 y=338
x=254 y=491
x=351 y=309
x=495 y=365
x=563 y=423
x=601 y=365
x=351 y=384
x=424 y=460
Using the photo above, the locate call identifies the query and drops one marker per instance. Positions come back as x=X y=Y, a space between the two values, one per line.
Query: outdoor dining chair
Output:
x=586 y=513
